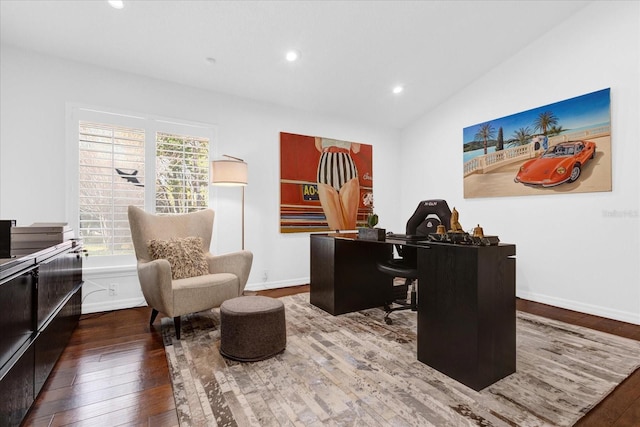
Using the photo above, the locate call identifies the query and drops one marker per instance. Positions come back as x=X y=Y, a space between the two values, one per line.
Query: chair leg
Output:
x=386 y=318
x=154 y=314
x=414 y=296
x=413 y=305
x=176 y=324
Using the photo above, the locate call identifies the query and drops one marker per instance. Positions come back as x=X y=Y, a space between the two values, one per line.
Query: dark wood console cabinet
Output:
x=40 y=305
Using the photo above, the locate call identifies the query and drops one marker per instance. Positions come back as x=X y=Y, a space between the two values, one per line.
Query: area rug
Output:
x=355 y=370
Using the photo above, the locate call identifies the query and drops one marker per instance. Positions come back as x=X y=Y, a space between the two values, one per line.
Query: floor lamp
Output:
x=232 y=173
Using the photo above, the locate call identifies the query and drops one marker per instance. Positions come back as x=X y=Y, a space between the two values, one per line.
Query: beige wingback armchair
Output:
x=220 y=277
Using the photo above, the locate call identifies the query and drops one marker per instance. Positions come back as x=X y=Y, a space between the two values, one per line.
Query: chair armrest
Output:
x=238 y=263
x=155 y=281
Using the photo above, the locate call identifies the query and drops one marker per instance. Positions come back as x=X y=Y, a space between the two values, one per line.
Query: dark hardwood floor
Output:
x=114 y=372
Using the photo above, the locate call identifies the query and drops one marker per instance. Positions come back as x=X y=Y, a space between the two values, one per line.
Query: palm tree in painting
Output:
x=521 y=137
x=545 y=121
x=485 y=133
x=555 y=130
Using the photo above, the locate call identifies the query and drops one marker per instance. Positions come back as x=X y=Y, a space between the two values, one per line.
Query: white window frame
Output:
x=151 y=124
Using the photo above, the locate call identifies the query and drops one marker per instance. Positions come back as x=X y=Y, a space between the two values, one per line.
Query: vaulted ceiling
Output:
x=352 y=53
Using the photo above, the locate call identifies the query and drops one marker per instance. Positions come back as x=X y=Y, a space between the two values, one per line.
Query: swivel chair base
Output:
x=402 y=303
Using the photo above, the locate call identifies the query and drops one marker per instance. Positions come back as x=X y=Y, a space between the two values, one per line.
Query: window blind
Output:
x=111 y=177
x=182 y=173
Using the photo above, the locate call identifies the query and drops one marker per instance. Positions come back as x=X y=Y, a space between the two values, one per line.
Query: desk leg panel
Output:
x=466 y=312
x=322 y=292
x=359 y=283
x=496 y=315
x=344 y=276
x=447 y=313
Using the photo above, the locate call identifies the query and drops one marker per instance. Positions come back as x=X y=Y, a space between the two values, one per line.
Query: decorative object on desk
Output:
x=372 y=220
x=370 y=232
x=464 y=239
x=366 y=233
x=485 y=240
x=231 y=173
x=559 y=378
x=458 y=237
x=479 y=239
x=455 y=225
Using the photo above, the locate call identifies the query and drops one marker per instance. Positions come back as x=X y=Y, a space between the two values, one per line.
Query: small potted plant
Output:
x=370 y=232
x=372 y=220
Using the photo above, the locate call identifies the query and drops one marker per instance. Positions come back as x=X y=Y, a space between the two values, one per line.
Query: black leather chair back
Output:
x=428 y=216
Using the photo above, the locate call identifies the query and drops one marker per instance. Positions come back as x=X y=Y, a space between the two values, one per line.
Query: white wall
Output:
x=570 y=251
x=36 y=90
x=596 y=49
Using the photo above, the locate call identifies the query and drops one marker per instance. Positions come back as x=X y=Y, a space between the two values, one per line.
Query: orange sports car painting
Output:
x=557 y=164
x=558 y=148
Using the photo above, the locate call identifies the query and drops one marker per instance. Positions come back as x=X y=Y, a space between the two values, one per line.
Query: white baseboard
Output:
x=120 y=304
x=595 y=310
x=275 y=285
x=623 y=316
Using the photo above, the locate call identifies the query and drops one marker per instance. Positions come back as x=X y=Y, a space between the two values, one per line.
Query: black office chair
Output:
x=428 y=215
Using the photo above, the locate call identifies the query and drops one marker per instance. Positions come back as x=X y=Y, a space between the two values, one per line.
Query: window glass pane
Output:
x=182 y=173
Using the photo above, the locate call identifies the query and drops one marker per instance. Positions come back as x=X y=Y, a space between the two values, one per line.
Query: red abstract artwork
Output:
x=325 y=184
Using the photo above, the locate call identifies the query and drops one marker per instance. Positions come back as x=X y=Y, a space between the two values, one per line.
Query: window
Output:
x=111 y=177
x=153 y=164
x=182 y=172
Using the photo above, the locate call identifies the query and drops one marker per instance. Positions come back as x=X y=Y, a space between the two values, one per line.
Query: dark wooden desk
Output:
x=466 y=299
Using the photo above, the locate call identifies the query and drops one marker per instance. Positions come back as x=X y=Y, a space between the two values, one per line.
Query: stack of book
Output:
x=38 y=236
x=5 y=237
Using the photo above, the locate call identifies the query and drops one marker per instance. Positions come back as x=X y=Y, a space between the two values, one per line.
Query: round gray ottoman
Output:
x=252 y=328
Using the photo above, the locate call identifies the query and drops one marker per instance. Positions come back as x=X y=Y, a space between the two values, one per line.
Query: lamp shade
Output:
x=229 y=172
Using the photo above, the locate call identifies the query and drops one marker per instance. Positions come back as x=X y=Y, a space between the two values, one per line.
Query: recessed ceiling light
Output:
x=397 y=89
x=116 y=4
x=292 y=55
